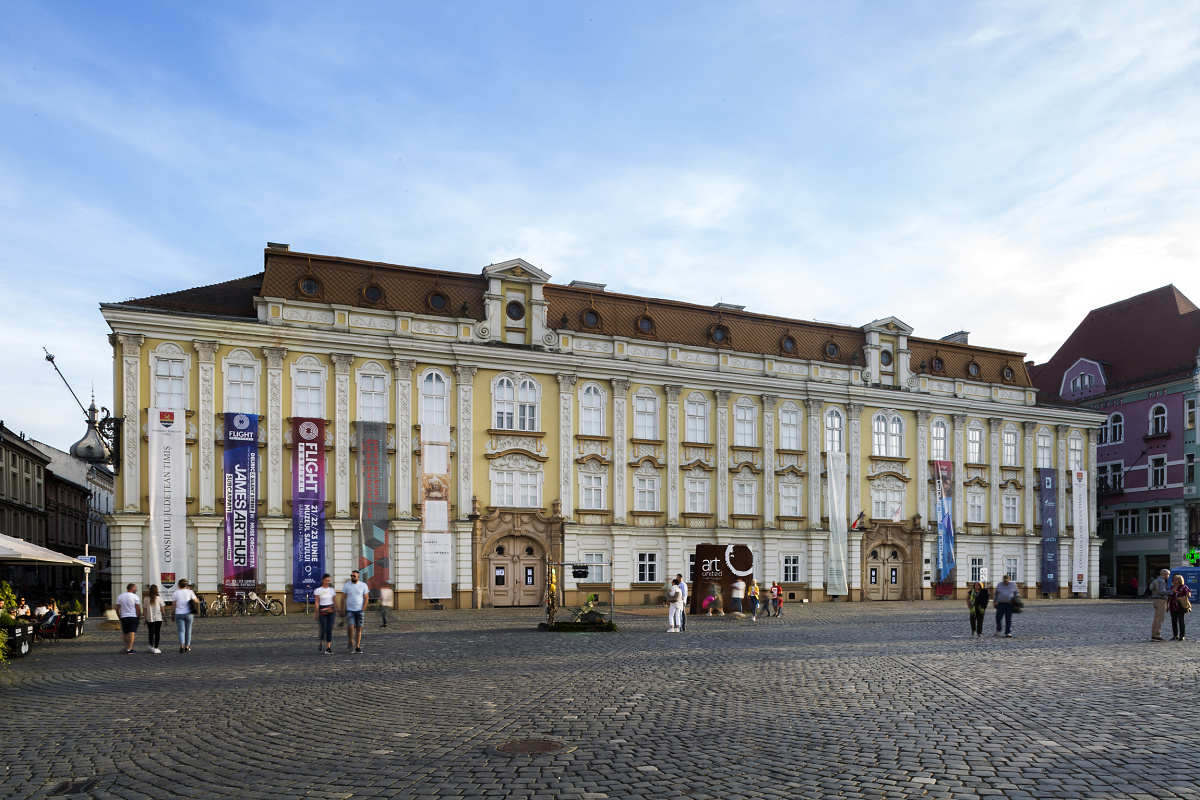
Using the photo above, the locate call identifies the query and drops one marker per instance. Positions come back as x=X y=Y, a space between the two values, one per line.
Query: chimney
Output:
x=278 y=246
x=730 y=306
x=958 y=337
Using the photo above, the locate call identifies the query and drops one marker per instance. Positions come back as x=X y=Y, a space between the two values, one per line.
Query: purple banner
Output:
x=1048 y=513
x=308 y=507
x=241 y=503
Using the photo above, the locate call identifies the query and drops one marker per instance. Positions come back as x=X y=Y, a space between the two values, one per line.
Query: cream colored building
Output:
x=588 y=426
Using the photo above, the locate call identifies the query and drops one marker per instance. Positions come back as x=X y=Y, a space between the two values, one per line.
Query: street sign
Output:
x=89 y=560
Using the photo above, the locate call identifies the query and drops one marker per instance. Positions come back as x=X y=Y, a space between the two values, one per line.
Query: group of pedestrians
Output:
x=743 y=596
x=1175 y=598
x=357 y=597
x=131 y=610
x=1006 y=600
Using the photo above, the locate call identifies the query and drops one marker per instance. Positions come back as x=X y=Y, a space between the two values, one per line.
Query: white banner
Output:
x=168 y=498
x=835 y=569
x=437 y=564
x=1079 y=505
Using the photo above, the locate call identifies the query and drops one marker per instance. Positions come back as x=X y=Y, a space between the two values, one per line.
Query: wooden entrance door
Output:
x=885 y=573
x=516 y=572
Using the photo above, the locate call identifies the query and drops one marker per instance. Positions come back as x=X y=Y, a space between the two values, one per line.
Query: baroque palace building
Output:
x=585 y=426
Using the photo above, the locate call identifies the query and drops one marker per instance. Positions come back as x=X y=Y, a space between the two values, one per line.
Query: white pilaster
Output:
x=1031 y=478
x=923 y=472
x=131 y=390
x=403 y=371
x=768 y=440
x=854 y=417
x=815 y=443
x=274 y=357
x=1063 y=480
x=959 y=420
x=722 y=458
x=672 y=391
x=620 y=450
x=466 y=398
x=341 y=433
x=206 y=356
x=566 y=401
x=994 y=474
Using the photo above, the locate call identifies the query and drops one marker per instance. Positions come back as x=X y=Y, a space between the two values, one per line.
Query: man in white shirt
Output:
x=1158 y=590
x=129 y=611
x=683 y=614
x=739 y=591
x=356 y=606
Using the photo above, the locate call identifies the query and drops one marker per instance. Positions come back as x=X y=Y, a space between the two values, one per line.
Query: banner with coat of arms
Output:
x=1079 y=503
x=241 y=503
x=308 y=507
x=167 y=431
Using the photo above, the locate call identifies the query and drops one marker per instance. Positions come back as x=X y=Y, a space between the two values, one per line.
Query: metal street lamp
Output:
x=101 y=443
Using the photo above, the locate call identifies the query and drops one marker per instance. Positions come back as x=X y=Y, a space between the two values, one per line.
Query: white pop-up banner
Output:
x=1079 y=507
x=835 y=571
x=168 y=498
x=436 y=558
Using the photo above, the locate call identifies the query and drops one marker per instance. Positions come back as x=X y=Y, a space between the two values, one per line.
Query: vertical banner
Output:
x=374 y=559
x=308 y=507
x=1048 y=513
x=241 y=503
x=835 y=570
x=436 y=558
x=168 y=498
x=1079 y=504
x=722 y=565
x=943 y=486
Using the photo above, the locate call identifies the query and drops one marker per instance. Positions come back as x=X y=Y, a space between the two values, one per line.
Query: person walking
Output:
x=752 y=599
x=1159 y=591
x=129 y=611
x=776 y=599
x=184 y=606
x=739 y=593
x=674 y=606
x=683 y=588
x=384 y=596
x=356 y=593
x=1006 y=590
x=1180 y=605
x=1133 y=584
x=153 y=608
x=324 y=613
x=977 y=603
x=713 y=601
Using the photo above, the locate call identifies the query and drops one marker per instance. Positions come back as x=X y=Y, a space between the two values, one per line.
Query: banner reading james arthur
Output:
x=308 y=507
x=241 y=503
x=374 y=562
x=1048 y=508
x=168 y=496
x=943 y=485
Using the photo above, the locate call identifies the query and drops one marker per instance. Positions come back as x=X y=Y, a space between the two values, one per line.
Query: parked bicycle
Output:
x=255 y=604
x=248 y=605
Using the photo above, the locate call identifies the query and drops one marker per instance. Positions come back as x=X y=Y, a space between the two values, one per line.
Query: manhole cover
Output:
x=81 y=786
x=531 y=747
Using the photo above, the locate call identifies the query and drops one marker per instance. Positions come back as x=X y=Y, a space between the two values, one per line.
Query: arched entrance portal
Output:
x=889 y=566
x=512 y=548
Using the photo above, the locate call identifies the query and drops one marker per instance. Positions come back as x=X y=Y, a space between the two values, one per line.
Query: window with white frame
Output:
x=1012 y=509
x=976 y=569
x=308 y=386
x=645 y=493
x=789 y=429
x=591 y=410
x=1189 y=468
x=1158 y=519
x=696 y=412
x=1010 y=450
x=939 y=436
x=647 y=567
x=888 y=435
x=372 y=398
x=1189 y=414
x=1116 y=429
x=516 y=489
x=745 y=425
x=504 y=404
x=1158 y=420
x=1158 y=472
x=975 y=506
x=504 y=488
x=1012 y=568
x=241 y=391
x=975 y=443
x=833 y=431
x=597 y=564
x=886 y=503
x=1075 y=452
x=170 y=388
x=527 y=393
x=591 y=491
x=1045 y=449
x=745 y=497
x=1074 y=384
x=791 y=569
x=789 y=499
x=434 y=397
x=696 y=490
x=1128 y=522
x=645 y=417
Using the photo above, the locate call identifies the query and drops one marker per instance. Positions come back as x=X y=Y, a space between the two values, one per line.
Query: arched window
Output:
x=591 y=411
x=975 y=443
x=789 y=427
x=1011 y=450
x=433 y=398
x=1116 y=429
x=1158 y=420
x=504 y=401
x=696 y=411
x=645 y=414
x=527 y=406
x=833 y=431
x=939 y=437
x=1045 y=449
x=1075 y=452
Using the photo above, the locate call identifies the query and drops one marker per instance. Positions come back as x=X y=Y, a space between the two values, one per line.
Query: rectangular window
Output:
x=591 y=411
x=529 y=493
x=308 y=390
x=1158 y=519
x=169 y=391
x=745 y=497
x=697 y=495
x=504 y=489
x=1075 y=453
x=975 y=445
x=975 y=507
x=789 y=499
x=789 y=430
x=372 y=398
x=938 y=438
x=646 y=494
x=1127 y=522
x=1158 y=472
x=1189 y=468
x=1189 y=414
x=1012 y=510
x=887 y=504
x=597 y=563
x=645 y=418
x=697 y=422
x=791 y=569
x=1045 y=449
x=976 y=569
x=1010 y=449
x=591 y=492
x=240 y=394
x=647 y=567
x=1012 y=569
x=745 y=431
x=833 y=431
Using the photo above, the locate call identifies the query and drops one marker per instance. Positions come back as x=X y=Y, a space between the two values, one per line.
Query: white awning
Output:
x=12 y=549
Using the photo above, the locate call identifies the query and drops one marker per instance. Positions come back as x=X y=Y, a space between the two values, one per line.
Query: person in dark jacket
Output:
x=977 y=602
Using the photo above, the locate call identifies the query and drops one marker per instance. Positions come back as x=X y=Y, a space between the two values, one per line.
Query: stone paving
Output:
x=871 y=700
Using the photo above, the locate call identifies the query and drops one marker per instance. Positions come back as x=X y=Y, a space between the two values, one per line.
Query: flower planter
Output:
x=20 y=639
x=72 y=626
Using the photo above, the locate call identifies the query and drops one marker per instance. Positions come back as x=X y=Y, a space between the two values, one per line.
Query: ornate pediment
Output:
x=879 y=467
x=500 y=444
x=517 y=269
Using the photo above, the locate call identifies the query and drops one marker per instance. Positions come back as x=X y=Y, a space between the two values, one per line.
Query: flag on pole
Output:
x=859 y=521
x=896 y=515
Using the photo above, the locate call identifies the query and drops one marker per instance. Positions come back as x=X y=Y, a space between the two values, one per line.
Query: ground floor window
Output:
x=597 y=562
x=976 y=569
x=1012 y=569
x=647 y=568
x=791 y=569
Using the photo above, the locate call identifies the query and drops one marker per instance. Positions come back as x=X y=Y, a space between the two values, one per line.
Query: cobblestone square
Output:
x=866 y=700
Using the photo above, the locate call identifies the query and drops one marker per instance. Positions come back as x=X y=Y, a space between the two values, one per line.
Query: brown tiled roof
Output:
x=1139 y=340
x=229 y=299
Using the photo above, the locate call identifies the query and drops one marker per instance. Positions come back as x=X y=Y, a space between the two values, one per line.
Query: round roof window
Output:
x=515 y=310
x=973 y=369
x=788 y=345
x=885 y=358
x=310 y=286
x=591 y=319
x=831 y=350
x=645 y=325
x=719 y=335
x=373 y=294
x=438 y=301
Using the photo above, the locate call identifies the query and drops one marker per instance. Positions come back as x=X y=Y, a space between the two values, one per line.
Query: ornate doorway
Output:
x=885 y=573
x=516 y=572
x=889 y=563
x=511 y=548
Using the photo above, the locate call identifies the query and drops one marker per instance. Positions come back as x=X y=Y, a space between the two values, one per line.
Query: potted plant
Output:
x=72 y=622
x=18 y=636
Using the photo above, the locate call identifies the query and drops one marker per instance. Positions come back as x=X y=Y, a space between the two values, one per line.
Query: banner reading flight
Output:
x=436 y=562
x=1048 y=514
x=241 y=503
x=374 y=562
x=168 y=498
x=835 y=577
x=308 y=507
x=943 y=487
x=1079 y=504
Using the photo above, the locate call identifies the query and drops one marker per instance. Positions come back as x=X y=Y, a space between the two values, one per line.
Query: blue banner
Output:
x=308 y=507
x=943 y=482
x=1048 y=514
x=241 y=503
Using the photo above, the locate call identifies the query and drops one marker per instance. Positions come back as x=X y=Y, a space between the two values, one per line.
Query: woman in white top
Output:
x=152 y=609
x=324 y=613
x=183 y=614
x=675 y=614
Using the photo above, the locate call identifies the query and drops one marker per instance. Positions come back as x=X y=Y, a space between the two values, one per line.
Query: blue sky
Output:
x=995 y=167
